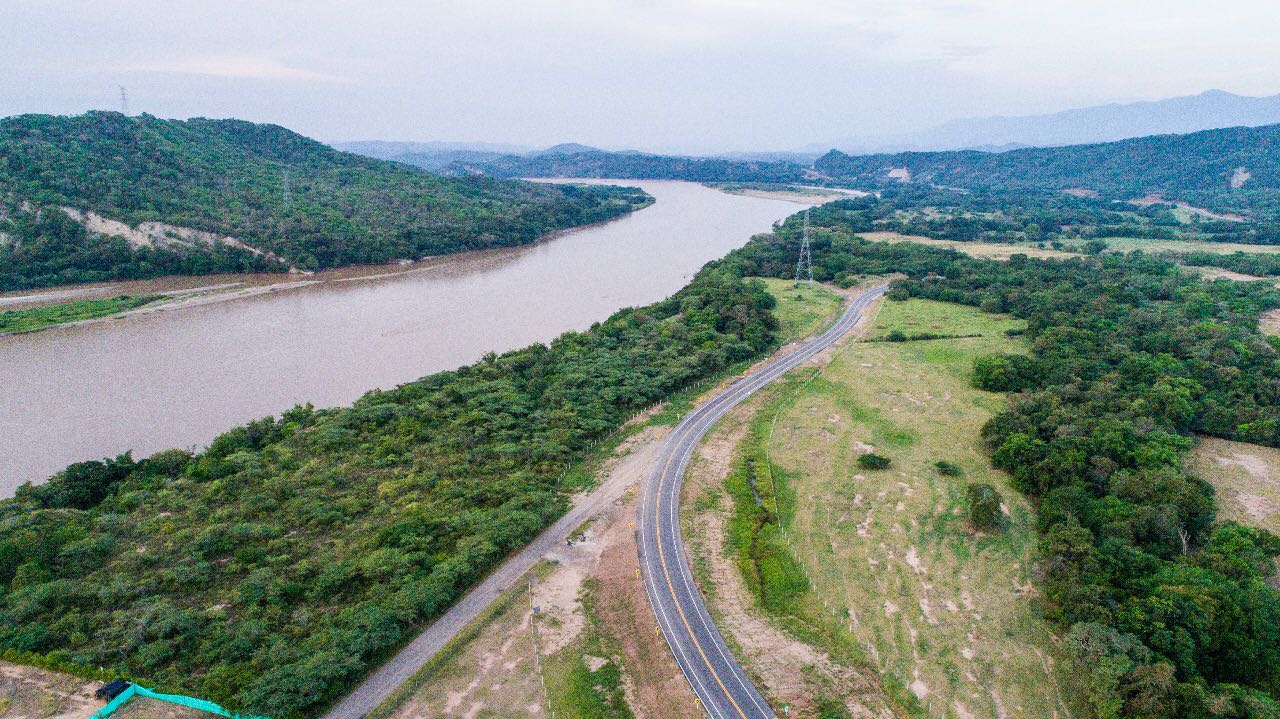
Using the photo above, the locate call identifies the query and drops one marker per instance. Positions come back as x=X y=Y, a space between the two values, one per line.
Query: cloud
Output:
x=244 y=67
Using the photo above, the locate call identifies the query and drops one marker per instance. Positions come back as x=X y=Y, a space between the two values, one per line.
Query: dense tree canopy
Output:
x=1169 y=609
x=271 y=570
x=277 y=191
x=1233 y=169
x=635 y=165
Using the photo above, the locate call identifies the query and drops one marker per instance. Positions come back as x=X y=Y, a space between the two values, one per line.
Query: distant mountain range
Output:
x=1104 y=123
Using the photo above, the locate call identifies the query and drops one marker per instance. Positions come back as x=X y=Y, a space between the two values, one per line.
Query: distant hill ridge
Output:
x=268 y=191
x=1230 y=170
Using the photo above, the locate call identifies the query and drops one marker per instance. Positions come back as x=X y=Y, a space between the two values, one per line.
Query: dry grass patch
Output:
x=1246 y=477
x=989 y=250
x=938 y=609
x=1129 y=244
x=493 y=674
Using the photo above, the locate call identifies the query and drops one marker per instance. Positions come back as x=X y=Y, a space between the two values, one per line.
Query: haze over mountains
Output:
x=1209 y=110
x=1103 y=123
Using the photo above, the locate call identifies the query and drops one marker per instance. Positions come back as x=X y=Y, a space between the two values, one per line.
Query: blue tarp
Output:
x=138 y=691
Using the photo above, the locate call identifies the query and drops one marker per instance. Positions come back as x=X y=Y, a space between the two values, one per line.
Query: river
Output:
x=178 y=378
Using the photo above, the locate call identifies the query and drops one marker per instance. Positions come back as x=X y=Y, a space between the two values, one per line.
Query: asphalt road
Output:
x=716 y=677
x=384 y=681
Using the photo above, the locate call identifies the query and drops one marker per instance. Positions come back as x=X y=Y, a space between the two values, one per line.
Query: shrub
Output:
x=1005 y=373
x=984 y=506
x=947 y=469
x=873 y=461
x=896 y=336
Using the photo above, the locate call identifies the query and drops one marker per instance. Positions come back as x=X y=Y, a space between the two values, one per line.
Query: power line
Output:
x=804 y=265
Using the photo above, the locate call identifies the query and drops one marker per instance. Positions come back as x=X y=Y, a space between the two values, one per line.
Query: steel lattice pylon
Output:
x=804 y=265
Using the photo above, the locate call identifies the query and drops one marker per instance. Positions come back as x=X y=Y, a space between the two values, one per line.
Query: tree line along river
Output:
x=178 y=378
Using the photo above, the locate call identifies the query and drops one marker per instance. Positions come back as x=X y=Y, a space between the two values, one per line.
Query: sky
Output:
x=660 y=75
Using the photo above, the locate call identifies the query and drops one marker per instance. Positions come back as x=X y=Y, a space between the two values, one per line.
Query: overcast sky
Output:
x=689 y=75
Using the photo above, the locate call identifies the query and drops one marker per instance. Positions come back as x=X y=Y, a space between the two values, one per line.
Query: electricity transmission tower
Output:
x=124 y=101
x=804 y=265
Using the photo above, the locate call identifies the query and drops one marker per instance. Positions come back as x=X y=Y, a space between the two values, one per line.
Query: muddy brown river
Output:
x=177 y=378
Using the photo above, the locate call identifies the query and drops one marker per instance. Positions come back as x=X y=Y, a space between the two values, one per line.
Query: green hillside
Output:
x=1198 y=168
x=635 y=165
x=276 y=191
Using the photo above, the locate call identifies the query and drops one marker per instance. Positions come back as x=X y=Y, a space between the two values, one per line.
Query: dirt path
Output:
x=497 y=672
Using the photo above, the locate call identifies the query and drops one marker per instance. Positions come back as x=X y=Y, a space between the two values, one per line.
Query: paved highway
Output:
x=717 y=679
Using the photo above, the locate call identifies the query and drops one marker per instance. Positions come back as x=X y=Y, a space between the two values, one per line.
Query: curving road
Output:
x=721 y=686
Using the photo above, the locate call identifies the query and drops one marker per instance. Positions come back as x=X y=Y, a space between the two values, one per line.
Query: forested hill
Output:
x=290 y=200
x=1229 y=170
x=634 y=165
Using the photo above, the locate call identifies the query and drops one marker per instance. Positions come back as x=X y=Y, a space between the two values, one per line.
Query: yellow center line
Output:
x=671 y=586
x=657 y=514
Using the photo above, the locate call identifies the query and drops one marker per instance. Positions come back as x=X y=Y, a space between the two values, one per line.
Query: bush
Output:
x=947 y=469
x=873 y=461
x=896 y=336
x=984 y=507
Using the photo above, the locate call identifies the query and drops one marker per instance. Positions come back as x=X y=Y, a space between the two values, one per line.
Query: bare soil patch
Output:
x=1269 y=322
x=34 y=693
x=1157 y=199
x=1246 y=477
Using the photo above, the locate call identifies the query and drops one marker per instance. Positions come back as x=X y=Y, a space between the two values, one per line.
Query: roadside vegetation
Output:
x=802 y=307
x=273 y=569
x=38 y=318
x=882 y=564
x=584 y=678
x=1130 y=357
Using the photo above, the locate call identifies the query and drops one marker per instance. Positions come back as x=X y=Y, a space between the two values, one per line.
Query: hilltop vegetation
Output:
x=1228 y=170
x=1005 y=216
x=589 y=162
x=272 y=570
x=290 y=200
x=1169 y=609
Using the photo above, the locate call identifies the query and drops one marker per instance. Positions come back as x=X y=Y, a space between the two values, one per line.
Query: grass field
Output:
x=944 y=613
x=39 y=318
x=1071 y=248
x=584 y=678
x=802 y=307
x=1129 y=244
x=1246 y=477
x=990 y=250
